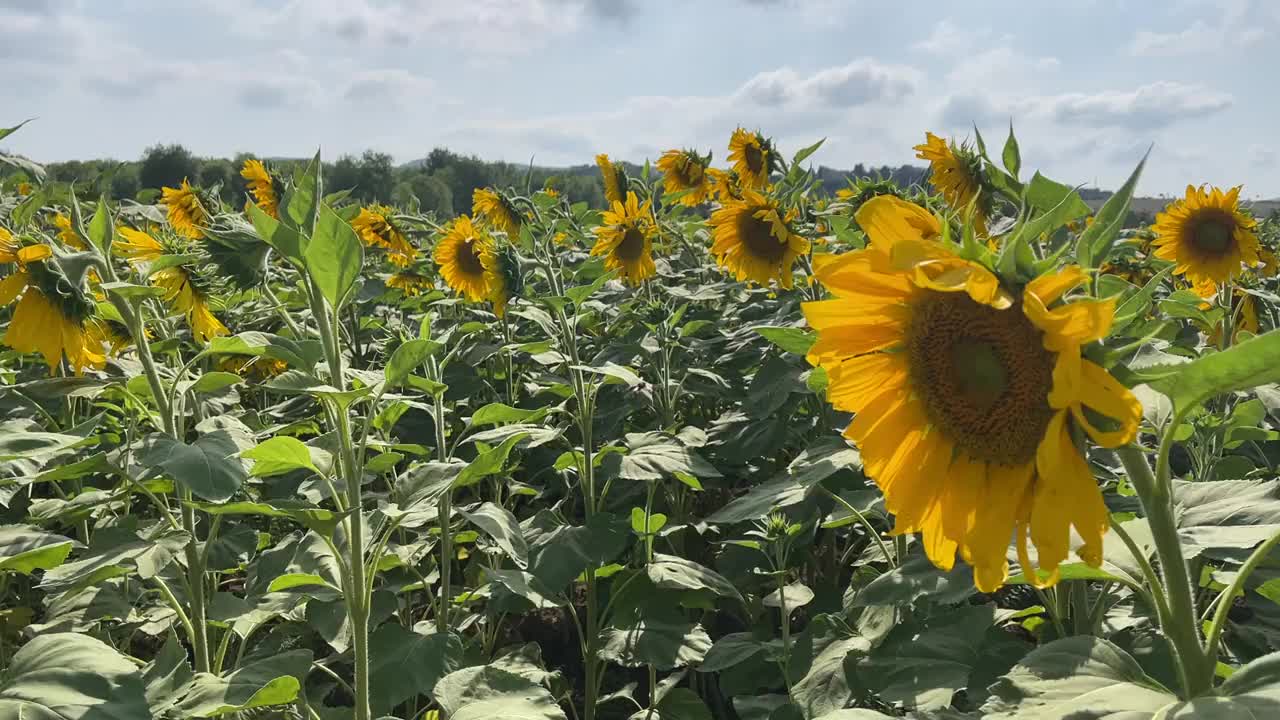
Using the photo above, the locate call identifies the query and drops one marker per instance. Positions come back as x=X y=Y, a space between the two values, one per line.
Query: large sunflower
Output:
x=753 y=239
x=965 y=393
x=615 y=179
x=185 y=212
x=1206 y=235
x=497 y=210
x=261 y=186
x=684 y=171
x=752 y=156
x=625 y=240
x=957 y=173
x=376 y=228
x=468 y=261
x=185 y=296
x=51 y=317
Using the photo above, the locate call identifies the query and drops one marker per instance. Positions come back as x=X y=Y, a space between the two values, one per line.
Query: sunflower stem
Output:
x=1180 y=625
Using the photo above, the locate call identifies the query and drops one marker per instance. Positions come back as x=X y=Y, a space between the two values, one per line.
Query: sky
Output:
x=1089 y=85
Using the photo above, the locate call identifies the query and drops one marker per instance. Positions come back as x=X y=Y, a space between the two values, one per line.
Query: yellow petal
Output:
x=993 y=527
x=852 y=382
x=1049 y=287
x=11 y=285
x=1071 y=325
x=34 y=253
x=1066 y=494
x=1101 y=392
x=888 y=220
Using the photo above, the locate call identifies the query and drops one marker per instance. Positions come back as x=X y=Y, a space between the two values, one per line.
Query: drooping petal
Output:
x=852 y=382
x=1049 y=287
x=1066 y=494
x=1104 y=394
x=888 y=220
x=993 y=527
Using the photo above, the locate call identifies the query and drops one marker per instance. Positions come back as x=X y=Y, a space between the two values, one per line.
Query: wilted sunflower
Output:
x=410 y=283
x=753 y=158
x=256 y=368
x=965 y=393
x=725 y=184
x=754 y=241
x=684 y=171
x=103 y=332
x=66 y=233
x=625 y=240
x=183 y=295
x=51 y=316
x=1206 y=235
x=376 y=228
x=497 y=210
x=956 y=172
x=468 y=261
x=185 y=211
x=261 y=186
x=615 y=179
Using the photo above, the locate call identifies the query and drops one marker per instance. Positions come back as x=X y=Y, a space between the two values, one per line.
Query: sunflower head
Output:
x=614 y=177
x=376 y=227
x=186 y=210
x=24 y=189
x=468 y=261
x=265 y=189
x=967 y=389
x=753 y=156
x=497 y=210
x=955 y=171
x=725 y=184
x=625 y=240
x=1206 y=235
x=137 y=246
x=754 y=240
x=685 y=171
x=189 y=291
x=52 y=315
x=410 y=283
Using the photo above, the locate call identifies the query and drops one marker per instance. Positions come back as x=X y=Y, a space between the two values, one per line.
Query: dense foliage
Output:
x=274 y=443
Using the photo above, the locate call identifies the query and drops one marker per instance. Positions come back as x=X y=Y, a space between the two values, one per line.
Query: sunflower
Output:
x=625 y=240
x=376 y=228
x=615 y=179
x=753 y=239
x=114 y=335
x=183 y=295
x=51 y=316
x=1206 y=235
x=1270 y=263
x=410 y=283
x=24 y=189
x=261 y=186
x=497 y=209
x=966 y=392
x=256 y=368
x=753 y=158
x=725 y=184
x=684 y=171
x=66 y=233
x=956 y=172
x=136 y=246
x=468 y=261
x=185 y=212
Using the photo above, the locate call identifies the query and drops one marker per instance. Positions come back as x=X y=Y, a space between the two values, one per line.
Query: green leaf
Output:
x=492 y=693
x=1251 y=363
x=489 y=462
x=730 y=650
x=672 y=572
x=804 y=153
x=208 y=467
x=16 y=444
x=1059 y=205
x=211 y=382
x=6 y=132
x=101 y=230
x=615 y=372
x=409 y=357
x=318 y=519
x=1010 y=156
x=1137 y=304
x=1077 y=677
x=658 y=636
x=286 y=240
x=653 y=457
x=650 y=524
x=677 y=704
x=499 y=524
x=1252 y=691
x=796 y=341
x=334 y=257
x=825 y=687
x=126 y=554
x=279 y=455
x=1224 y=519
x=301 y=203
x=1095 y=243
x=69 y=676
x=404 y=663
x=580 y=293
x=26 y=548
x=500 y=414
x=923 y=666
x=272 y=681
x=917 y=577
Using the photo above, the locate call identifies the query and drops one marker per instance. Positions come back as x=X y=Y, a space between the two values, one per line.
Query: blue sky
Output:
x=1088 y=84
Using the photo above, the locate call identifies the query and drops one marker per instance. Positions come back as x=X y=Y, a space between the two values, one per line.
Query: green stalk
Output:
x=445 y=513
x=1180 y=627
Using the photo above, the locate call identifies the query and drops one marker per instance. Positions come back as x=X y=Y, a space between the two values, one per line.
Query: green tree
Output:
x=167 y=166
x=220 y=173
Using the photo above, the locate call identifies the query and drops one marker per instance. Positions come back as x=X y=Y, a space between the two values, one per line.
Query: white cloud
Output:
x=1154 y=105
x=386 y=87
x=947 y=40
x=861 y=82
x=1234 y=25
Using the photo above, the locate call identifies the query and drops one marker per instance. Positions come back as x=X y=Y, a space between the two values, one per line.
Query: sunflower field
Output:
x=735 y=446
